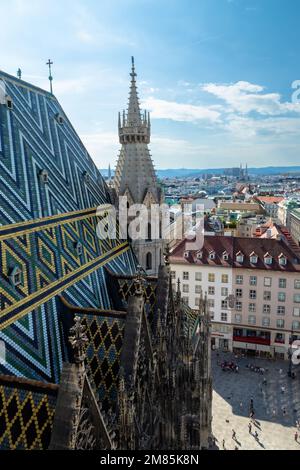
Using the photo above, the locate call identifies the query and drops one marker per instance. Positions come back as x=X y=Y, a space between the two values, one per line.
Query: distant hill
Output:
x=185 y=172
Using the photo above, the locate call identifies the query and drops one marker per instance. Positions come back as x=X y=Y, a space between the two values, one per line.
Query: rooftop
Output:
x=220 y=244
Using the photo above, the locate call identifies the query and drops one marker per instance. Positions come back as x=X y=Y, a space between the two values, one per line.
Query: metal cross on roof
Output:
x=49 y=63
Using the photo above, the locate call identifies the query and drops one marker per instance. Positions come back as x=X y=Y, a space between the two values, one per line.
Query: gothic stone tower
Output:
x=135 y=178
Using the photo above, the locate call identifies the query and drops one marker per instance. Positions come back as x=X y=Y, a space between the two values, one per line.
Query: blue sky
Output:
x=216 y=75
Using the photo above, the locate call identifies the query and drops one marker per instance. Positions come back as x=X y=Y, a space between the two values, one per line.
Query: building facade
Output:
x=135 y=179
x=253 y=290
x=294 y=225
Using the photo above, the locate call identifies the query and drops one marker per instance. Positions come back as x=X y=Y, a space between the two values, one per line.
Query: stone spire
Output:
x=133 y=113
x=135 y=177
x=135 y=171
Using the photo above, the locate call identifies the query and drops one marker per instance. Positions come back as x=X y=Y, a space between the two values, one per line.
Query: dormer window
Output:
x=59 y=118
x=282 y=260
x=44 y=176
x=78 y=248
x=15 y=276
x=253 y=258
x=86 y=177
x=240 y=257
x=186 y=254
x=268 y=259
x=9 y=102
x=199 y=255
x=212 y=255
x=225 y=256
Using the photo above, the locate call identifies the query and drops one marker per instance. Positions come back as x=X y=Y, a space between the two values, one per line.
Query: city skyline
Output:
x=219 y=90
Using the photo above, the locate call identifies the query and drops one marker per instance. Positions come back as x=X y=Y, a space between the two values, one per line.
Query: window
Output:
x=268 y=259
x=173 y=274
x=240 y=258
x=265 y=321
x=296 y=312
x=198 y=276
x=185 y=288
x=44 y=176
x=252 y=320
x=253 y=280
x=280 y=323
x=267 y=281
x=267 y=295
x=239 y=293
x=211 y=277
x=211 y=290
x=281 y=296
x=212 y=255
x=223 y=316
x=225 y=256
x=238 y=318
x=253 y=259
x=296 y=325
x=224 y=278
x=280 y=310
x=252 y=294
x=149 y=234
x=297 y=284
x=174 y=287
x=297 y=298
x=185 y=276
x=185 y=300
x=59 y=118
x=267 y=308
x=197 y=301
x=282 y=261
x=282 y=283
x=252 y=307
x=239 y=279
x=198 y=289
x=211 y=303
x=224 y=291
x=224 y=304
x=15 y=276
x=9 y=102
x=199 y=255
x=238 y=305
x=149 y=261
x=78 y=248
x=212 y=315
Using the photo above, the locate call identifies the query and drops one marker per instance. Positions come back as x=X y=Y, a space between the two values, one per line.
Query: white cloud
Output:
x=244 y=97
x=245 y=127
x=162 y=109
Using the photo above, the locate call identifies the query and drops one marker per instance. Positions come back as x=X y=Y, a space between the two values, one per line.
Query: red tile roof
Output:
x=270 y=199
x=233 y=245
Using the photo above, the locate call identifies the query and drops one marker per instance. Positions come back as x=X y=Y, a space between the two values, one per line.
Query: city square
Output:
x=276 y=404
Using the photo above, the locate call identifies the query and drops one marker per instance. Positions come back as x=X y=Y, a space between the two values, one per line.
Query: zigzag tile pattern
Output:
x=40 y=223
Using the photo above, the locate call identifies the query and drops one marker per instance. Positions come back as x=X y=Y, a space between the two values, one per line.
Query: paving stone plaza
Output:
x=276 y=404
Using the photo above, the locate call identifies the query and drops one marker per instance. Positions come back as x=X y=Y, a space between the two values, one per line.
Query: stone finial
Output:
x=78 y=340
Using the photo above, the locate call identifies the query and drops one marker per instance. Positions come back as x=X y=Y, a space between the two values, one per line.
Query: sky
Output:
x=219 y=77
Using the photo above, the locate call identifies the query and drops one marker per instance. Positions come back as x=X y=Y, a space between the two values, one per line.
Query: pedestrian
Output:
x=284 y=411
x=274 y=412
x=236 y=448
x=282 y=389
x=250 y=427
x=296 y=436
x=241 y=405
x=233 y=434
x=223 y=443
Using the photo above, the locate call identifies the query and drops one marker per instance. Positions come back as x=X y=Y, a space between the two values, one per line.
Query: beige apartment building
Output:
x=253 y=289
